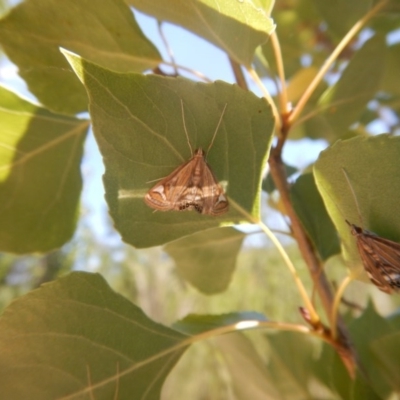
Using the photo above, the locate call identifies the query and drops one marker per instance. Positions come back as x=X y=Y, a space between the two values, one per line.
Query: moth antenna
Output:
x=354 y=196
x=216 y=130
x=184 y=127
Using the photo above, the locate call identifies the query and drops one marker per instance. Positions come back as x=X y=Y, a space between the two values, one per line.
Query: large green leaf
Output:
x=75 y=338
x=40 y=180
x=103 y=31
x=138 y=123
x=311 y=210
x=373 y=169
x=236 y=26
x=207 y=259
x=343 y=102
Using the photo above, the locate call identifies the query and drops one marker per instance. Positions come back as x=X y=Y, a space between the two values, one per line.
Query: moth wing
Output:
x=165 y=195
x=215 y=200
x=371 y=264
x=387 y=262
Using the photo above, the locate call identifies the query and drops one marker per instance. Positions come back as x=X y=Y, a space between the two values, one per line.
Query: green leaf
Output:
x=238 y=27
x=290 y=361
x=344 y=102
x=207 y=259
x=103 y=31
x=367 y=332
x=341 y=15
x=138 y=124
x=311 y=210
x=301 y=369
x=40 y=179
x=372 y=167
x=75 y=337
x=249 y=375
x=329 y=370
x=387 y=352
x=390 y=81
x=194 y=324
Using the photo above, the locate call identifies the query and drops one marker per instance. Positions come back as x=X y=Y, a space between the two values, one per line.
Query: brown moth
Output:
x=380 y=256
x=191 y=186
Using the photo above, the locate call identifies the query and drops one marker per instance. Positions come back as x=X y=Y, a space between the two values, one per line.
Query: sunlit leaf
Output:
x=103 y=31
x=40 y=179
x=138 y=123
x=76 y=338
x=236 y=26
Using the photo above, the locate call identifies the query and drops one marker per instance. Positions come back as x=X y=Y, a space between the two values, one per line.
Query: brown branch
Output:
x=309 y=254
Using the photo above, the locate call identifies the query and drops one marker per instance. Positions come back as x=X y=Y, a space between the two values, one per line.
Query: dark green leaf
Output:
x=40 y=179
x=75 y=337
x=311 y=210
x=207 y=259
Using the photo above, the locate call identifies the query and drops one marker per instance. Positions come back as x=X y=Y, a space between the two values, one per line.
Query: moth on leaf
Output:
x=380 y=256
x=191 y=186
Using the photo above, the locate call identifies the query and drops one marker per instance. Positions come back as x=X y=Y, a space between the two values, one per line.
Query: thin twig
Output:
x=328 y=63
x=238 y=72
x=253 y=74
x=283 y=99
x=167 y=46
x=303 y=292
